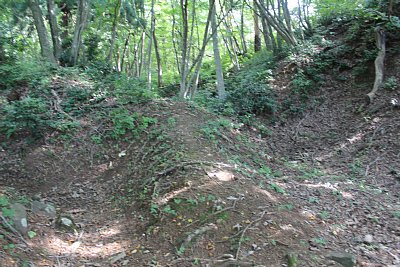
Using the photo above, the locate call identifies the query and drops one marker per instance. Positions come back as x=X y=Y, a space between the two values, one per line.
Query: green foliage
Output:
x=8 y=213
x=277 y=188
x=391 y=83
x=30 y=72
x=320 y=241
x=4 y=201
x=216 y=128
x=331 y=10
x=29 y=114
x=132 y=90
x=283 y=207
x=248 y=89
x=123 y=122
x=31 y=234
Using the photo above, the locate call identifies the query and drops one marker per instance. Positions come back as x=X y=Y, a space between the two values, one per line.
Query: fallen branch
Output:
x=197 y=233
x=223 y=262
x=244 y=231
x=380 y=36
x=57 y=105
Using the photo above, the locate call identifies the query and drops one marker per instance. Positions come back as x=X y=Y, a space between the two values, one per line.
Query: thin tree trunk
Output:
x=152 y=29
x=267 y=36
x=114 y=31
x=194 y=80
x=217 y=56
x=55 y=33
x=257 y=38
x=45 y=47
x=278 y=22
x=141 y=55
x=65 y=19
x=379 y=62
x=242 y=38
x=81 y=22
x=125 y=50
x=158 y=58
x=184 y=67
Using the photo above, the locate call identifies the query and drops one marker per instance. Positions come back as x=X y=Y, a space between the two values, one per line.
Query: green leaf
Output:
x=4 y=201
x=277 y=188
x=31 y=234
x=8 y=212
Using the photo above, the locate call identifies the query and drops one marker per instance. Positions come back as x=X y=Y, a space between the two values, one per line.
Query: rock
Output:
x=368 y=239
x=344 y=258
x=66 y=223
x=19 y=218
x=43 y=209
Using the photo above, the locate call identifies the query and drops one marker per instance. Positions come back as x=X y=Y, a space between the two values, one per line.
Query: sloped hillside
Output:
x=166 y=183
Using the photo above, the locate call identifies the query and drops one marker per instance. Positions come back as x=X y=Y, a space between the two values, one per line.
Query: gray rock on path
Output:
x=66 y=223
x=20 y=218
x=43 y=209
x=344 y=258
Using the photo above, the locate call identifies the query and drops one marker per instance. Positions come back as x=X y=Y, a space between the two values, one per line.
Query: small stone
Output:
x=19 y=218
x=66 y=223
x=344 y=258
x=43 y=209
x=368 y=239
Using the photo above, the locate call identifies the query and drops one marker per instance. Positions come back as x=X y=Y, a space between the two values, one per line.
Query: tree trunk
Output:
x=55 y=33
x=114 y=31
x=267 y=36
x=279 y=23
x=242 y=38
x=185 y=31
x=194 y=79
x=65 y=19
x=125 y=50
x=158 y=58
x=379 y=62
x=81 y=22
x=152 y=29
x=42 y=32
x=217 y=56
x=257 y=38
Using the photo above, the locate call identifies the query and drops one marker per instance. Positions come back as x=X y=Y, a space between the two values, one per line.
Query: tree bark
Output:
x=380 y=36
x=150 y=45
x=124 y=52
x=217 y=56
x=55 y=33
x=185 y=31
x=257 y=38
x=65 y=19
x=158 y=58
x=81 y=22
x=114 y=31
x=45 y=47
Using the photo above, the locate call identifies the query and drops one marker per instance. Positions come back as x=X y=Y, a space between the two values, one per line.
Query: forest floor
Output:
x=196 y=189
